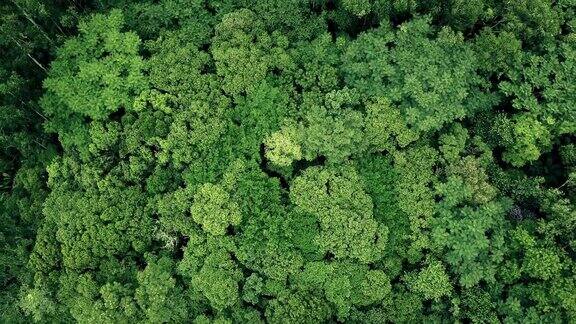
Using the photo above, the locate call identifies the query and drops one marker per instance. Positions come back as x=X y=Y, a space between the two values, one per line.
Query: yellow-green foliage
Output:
x=302 y=161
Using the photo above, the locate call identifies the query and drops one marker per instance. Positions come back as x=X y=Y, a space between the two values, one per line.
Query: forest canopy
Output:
x=303 y=161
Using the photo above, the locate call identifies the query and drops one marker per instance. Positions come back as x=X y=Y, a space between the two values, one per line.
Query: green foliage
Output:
x=358 y=161
x=157 y=295
x=218 y=281
x=213 y=210
x=542 y=101
x=37 y=304
x=431 y=282
x=282 y=147
x=429 y=75
x=98 y=72
x=337 y=199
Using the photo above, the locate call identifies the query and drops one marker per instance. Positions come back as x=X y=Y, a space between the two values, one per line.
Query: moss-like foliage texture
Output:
x=302 y=161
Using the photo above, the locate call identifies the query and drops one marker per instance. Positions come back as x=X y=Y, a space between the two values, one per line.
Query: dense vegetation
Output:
x=303 y=161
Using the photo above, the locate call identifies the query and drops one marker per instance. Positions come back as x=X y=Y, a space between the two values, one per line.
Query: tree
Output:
x=103 y=59
x=213 y=210
x=337 y=199
x=157 y=295
x=431 y=282
x=359 y=161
